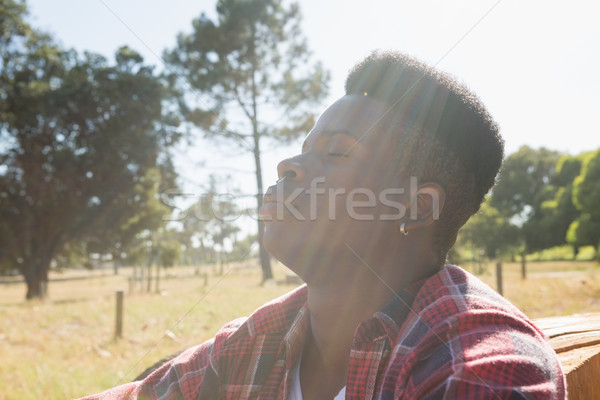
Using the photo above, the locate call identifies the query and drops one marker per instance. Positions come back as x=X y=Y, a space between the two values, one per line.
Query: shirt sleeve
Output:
x=179 y=378
x=483 y=355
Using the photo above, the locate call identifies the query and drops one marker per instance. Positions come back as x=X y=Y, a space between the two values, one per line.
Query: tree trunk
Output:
x=142 y=277
x=149 y=287
x=157 y=280
x=265 y=259
x=36 y=277
x=134 y=277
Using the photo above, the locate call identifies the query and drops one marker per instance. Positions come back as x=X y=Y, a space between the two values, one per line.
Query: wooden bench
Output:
x=576 y=340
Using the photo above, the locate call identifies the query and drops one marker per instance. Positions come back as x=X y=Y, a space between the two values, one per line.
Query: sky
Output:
x=533 y=63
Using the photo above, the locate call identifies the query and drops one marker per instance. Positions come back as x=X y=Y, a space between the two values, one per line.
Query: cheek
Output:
x=393 y=203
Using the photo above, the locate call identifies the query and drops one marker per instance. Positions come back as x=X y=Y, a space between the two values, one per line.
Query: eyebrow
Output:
x=333 y=132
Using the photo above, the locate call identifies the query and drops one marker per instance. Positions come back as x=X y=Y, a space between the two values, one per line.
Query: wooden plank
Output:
x=576 y=340
x=582 y=368
x=572 y=359
x=555 y=326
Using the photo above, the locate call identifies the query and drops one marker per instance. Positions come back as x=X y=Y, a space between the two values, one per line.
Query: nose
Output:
x=288 y=175
x=290 y=168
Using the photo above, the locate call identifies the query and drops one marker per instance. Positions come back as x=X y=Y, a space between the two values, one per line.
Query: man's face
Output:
x=331 y=199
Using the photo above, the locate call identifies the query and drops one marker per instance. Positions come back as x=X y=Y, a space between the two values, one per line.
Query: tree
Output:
x=80 y=139
x=490 y=231
x=252 y=73
x=210 y=222
x=586 y=197
x=524 y=184
x=169 y=253
x=524 y=175
x=584 y=231
x=242 y=248
x=140 y=209
x=548 y=226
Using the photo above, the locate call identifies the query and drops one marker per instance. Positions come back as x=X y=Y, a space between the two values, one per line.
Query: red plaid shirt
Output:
x=449 y=336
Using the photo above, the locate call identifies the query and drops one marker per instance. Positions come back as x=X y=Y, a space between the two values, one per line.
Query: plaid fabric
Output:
x=449 y=336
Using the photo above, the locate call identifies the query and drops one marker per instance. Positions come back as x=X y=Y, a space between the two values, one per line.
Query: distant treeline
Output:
x=543 y=199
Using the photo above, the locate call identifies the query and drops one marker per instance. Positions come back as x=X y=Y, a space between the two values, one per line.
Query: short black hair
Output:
x=446 y=134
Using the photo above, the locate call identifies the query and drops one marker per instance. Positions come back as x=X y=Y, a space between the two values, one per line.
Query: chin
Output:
x=279 y=247
x=276 y=241
x=287 y=248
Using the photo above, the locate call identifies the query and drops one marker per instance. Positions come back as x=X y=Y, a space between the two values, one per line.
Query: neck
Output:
x=339 y=304
x=335 y=316
x=342 y=294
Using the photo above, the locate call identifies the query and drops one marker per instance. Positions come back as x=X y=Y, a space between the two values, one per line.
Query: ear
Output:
x=426 y=204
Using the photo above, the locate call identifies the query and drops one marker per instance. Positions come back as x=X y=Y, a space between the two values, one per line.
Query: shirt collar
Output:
x=386 y=323
x=288 y=317
x=276 y=316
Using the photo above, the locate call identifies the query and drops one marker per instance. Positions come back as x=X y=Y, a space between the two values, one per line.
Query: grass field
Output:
x=63 y=347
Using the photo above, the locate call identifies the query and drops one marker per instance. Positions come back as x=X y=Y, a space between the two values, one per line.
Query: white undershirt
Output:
x=296 y=389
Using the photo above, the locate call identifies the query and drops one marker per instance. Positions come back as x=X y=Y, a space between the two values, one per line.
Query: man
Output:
x=365 y=215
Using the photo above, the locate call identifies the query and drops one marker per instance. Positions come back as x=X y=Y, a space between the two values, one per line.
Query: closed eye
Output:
x=336 y=154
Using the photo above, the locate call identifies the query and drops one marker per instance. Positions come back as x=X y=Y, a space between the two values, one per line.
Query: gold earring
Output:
x=403 y=229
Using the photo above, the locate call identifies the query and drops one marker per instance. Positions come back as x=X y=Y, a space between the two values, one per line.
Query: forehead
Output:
x=358 y=116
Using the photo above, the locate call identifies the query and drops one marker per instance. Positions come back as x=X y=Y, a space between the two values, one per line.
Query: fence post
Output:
x=131 y=281
x=499 y=276
x=119 y=320
x=157 y=279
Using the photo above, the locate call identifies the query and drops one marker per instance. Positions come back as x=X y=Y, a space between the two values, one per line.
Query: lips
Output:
x=270 y=195
x=268 y=210
x=274 y=200
x=280 y=194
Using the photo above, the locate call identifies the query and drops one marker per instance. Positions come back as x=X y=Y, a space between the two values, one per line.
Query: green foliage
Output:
x=563 y=253
x=82 y=150
x=522 y=180
x=586 y=188
x=209 y=226
x=534 y=193
x=586 y=197
x=567 y=169
x=251 y=77
x=242 y=249
x=118 y=232
x=490 y=231
x=548 y=225
x=543 y=201
x=169 y=253
x=253 y=57
x=584 y=231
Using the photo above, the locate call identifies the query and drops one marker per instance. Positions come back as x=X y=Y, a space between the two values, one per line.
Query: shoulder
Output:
x=238 y=336
x=453 y=303
x=272 y=318
x=454 y=293
x=462 y=335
